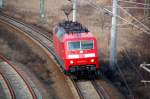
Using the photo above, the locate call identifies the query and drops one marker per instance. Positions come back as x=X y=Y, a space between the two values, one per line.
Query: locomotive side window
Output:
x=60 y=33
x=87 y=44
x=74 y=45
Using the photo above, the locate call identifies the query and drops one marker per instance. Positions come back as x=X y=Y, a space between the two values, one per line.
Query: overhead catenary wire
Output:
x=134 y=18
x=126 y=7
x=105 y=10
x=125 y=50
x=138 y=3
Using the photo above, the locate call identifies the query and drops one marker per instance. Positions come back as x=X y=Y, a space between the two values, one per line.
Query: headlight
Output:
x=71 y=62
x=81 y=52
x=92 y=60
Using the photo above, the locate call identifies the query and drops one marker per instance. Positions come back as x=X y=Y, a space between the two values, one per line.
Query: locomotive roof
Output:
x=73 y=27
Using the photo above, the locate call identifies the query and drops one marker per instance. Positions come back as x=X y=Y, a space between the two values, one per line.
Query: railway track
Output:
x=47 y=43
x=78 y=89
x=16 y=81
x=100 y=90
x=8 y=85
x=90 y=90
x=22 y=24
x=34 y=33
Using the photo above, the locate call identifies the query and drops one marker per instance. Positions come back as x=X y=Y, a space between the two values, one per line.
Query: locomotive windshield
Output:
x=74 y=45
x=80 y=45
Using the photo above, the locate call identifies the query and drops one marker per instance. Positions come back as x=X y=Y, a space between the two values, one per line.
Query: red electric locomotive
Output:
x=76 y=48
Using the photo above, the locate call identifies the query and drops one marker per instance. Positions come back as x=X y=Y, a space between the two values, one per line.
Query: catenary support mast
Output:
x=113 y=41
x=74 y=10
x=42 y=8
x=1 y=3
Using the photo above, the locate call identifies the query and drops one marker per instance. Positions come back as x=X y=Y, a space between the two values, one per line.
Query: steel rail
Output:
x=77 y=88
x=8 y=85
x=30 y=26
x=100 y=90
x=31 y=90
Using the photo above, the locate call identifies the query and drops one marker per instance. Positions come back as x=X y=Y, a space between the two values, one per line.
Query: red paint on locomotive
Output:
x=76 y=47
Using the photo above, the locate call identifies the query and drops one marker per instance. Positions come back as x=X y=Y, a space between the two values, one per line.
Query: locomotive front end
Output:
x=81 y=56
